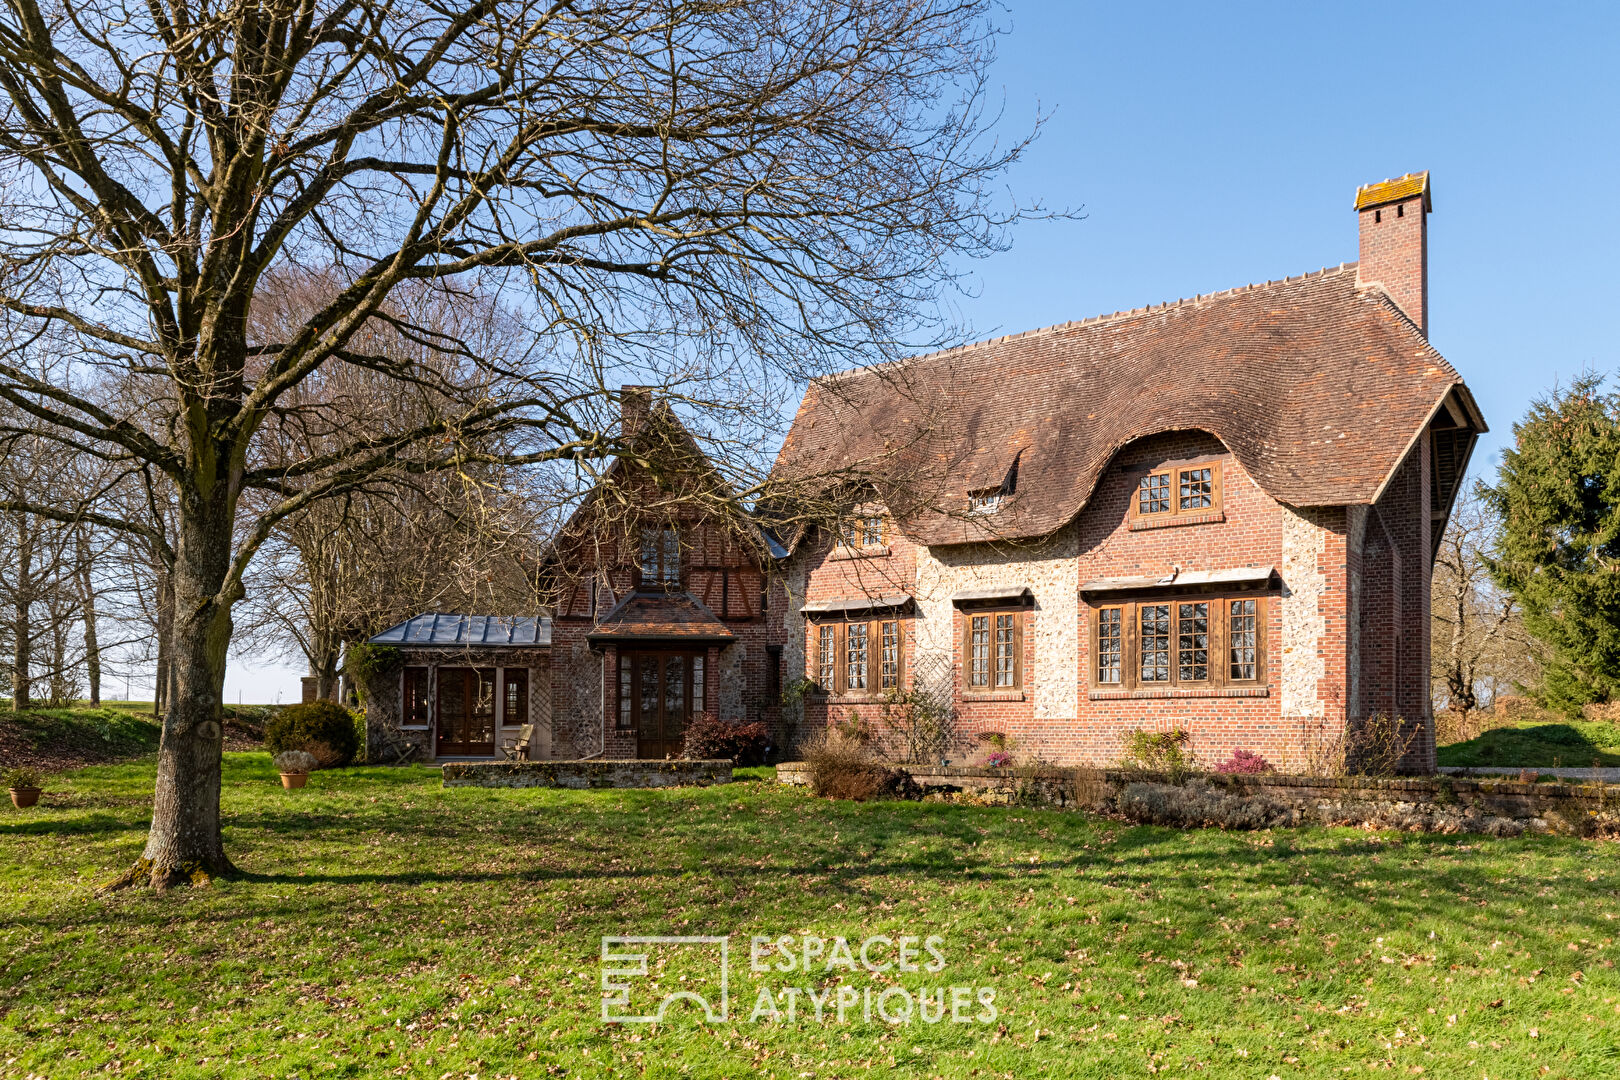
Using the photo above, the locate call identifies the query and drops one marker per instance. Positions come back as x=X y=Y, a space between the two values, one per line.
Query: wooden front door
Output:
x=466 y=712
x=664 y=689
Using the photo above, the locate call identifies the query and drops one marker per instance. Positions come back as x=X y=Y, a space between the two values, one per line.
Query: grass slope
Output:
x=62 y=738
x=391 y=927
x=1574 y=744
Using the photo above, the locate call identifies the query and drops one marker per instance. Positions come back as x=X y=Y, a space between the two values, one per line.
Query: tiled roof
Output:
x=1395 y=190
x=653 y=614
x=1316 y=385
x=437 y=628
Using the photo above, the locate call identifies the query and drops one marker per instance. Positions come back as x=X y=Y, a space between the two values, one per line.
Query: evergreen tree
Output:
x=1558 y=494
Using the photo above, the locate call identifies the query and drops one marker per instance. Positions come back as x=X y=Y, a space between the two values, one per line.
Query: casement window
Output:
x=1179 y=492
x=856 y=652
x=515 y=703
x=417 y=708
x=993 y=651
x=863 y=531
x=1110 y=652
x=1186 y=643
x=889 y=661
x=859 y=656
x=660 y=556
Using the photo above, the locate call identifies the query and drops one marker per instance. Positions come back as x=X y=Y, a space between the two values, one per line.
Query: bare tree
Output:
x=715 y=196
x=1478 y=639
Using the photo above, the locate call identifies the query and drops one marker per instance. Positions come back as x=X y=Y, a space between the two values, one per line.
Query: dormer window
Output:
x=1178 y=495
x=660 y=556
x=984 y=501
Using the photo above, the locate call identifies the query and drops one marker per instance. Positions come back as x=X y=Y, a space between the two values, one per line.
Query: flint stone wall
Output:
x=1429 y=803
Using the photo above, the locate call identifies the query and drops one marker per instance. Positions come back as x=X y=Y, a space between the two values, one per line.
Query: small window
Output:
x=1110 y=645
x=889 y=669
x=1153 y=494
x=417 y=711
x=516 y=704
x=1167 y=495
x=1192 y=642
x=1242 y=629
x=660 y=556
x=984 y=501
x=993 y=651
x=855 y=656
x=1196 y=489
x=979 y=652
x=1155 y=638
x=625 y=681
x=864 y=531
x=826 y=654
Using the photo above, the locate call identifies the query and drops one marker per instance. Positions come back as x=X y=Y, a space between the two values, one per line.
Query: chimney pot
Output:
x=1395 y=246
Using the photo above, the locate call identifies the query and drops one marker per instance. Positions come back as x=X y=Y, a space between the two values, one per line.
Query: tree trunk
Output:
x=165 y=630
x=324 y=666
x=185 y=843
x=22 y=629
x=87 y=600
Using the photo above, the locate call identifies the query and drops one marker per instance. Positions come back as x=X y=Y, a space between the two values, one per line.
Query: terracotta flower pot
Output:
x=294 y=779
x=24 y=797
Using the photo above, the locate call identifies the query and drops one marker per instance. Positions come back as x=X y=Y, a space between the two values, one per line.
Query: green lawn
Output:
x=1574 y=744
x=390 y=927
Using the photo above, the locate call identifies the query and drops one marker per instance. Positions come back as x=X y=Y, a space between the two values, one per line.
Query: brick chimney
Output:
x=1395 y=242
x=635 y=402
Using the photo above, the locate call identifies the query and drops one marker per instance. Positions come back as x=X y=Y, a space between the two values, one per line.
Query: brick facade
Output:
x=1342 y=615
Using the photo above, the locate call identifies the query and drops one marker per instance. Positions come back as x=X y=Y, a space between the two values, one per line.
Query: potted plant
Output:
x=294 y=767
x=24 y=785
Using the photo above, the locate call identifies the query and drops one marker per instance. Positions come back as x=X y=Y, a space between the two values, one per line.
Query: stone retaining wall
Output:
x=1440 y=803
x=587 y=774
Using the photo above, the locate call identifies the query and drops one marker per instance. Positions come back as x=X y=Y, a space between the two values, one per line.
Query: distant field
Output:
x=1568 y=744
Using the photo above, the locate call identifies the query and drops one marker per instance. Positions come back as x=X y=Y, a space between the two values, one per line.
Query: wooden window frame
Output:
x=1220 y=677
x=507 y=681
x=666 y=556
x=863 y=526
x=992 y=668
x=428 y=691
x=838 y=686
x=1175 y=514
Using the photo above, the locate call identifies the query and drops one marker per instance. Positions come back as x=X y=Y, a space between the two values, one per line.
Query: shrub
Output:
x=295 y=761
x=21 y=778
x=1166 y=753
x=323 y=728
x=998 y=760
x=1244 y=761
x=840 y=768
x=708 y=738
x=1198 y=804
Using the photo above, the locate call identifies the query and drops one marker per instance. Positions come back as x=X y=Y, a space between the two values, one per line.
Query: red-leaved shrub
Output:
x=1244 y=761
x=708 y=738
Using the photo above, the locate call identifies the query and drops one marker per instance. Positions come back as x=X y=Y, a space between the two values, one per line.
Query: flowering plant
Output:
x=999 y=759
x=1244 y=761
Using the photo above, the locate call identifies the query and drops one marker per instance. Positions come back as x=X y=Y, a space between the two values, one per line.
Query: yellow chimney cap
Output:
x=1398 y=189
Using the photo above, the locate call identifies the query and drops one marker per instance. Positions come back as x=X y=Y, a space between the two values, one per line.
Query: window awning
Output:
x=855 y=603
x=1243 y=575
x=1014 y=594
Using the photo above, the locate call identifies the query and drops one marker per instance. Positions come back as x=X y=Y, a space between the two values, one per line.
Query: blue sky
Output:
x=1214 y=145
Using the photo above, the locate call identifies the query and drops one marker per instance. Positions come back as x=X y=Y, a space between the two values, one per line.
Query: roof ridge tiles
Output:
x=1089 y=321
